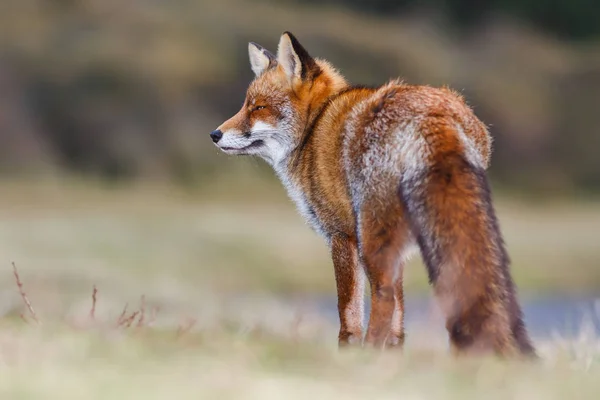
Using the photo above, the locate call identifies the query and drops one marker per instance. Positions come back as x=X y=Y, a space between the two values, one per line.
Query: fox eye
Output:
x=258 y=108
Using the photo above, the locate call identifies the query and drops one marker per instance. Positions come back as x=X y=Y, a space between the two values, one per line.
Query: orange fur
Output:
x=378 y=171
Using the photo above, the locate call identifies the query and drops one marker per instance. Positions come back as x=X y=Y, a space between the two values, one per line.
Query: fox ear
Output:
x=294 y=59
x=261 y=59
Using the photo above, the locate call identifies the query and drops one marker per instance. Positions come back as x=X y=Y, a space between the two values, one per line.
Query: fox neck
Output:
x=324 y=87
x=287 y=163
x=287 y=169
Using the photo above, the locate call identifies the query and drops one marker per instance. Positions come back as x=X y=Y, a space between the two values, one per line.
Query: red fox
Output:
x=379 y=172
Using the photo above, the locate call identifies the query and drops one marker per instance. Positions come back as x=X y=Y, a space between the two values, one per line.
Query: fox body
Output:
x=380 y=172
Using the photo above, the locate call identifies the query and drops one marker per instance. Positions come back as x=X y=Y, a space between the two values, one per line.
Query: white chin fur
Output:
x=233 y=142
x=273 y=147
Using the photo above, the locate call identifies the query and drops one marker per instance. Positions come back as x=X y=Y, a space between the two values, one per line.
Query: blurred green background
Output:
x=130 y=89
x=108 y=176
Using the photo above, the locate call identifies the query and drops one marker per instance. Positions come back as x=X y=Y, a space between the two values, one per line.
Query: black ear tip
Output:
x=295 y=43
x=258 y=46
x=289 y=34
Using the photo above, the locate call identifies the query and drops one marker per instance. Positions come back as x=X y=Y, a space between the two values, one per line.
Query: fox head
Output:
x=287 y=94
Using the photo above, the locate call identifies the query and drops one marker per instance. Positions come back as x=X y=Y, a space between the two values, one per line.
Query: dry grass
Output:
x=63 y=363
x=151 y=293
x=66 y=359
x=26 y=299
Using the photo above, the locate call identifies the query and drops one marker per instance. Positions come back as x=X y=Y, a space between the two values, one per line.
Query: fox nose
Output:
x=216 y=135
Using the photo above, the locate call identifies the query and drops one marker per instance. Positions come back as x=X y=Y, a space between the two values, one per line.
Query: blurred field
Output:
x=63 y=363
x=241 y=238
x=233 y=264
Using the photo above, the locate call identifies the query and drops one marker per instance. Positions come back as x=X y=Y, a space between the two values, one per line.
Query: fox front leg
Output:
x=350 y=281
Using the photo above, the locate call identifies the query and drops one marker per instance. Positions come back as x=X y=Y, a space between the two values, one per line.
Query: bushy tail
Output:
x=451 y=214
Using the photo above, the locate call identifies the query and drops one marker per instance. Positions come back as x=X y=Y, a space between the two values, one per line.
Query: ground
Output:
x=97 y=363
x=216 y=268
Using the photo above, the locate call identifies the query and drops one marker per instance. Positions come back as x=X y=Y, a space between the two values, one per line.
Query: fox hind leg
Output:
x=382 y=237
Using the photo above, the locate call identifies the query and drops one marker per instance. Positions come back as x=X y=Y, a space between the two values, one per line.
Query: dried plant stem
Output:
x=121 y=318
x=24 y=295
x=93 y=309
x=129 y=320
x=142 y=311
